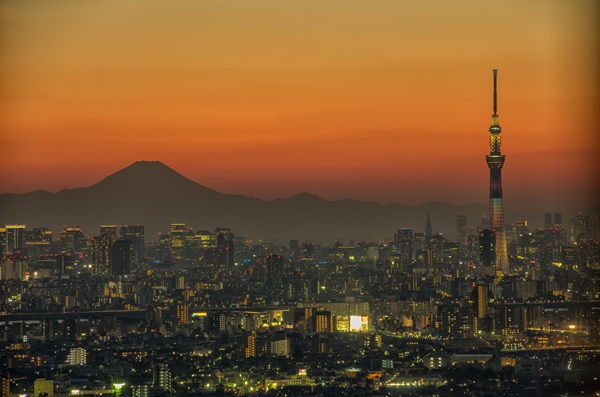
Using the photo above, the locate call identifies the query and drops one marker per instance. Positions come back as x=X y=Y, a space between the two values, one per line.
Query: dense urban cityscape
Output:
x=208 y=312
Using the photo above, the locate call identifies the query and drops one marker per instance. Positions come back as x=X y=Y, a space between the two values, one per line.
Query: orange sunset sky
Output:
x=388 y=101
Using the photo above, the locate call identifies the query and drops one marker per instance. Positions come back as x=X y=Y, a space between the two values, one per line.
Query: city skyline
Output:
x=386 y=104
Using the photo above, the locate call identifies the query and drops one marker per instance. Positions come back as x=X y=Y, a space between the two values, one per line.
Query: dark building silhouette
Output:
x=436 y=248
x=548 y=223
x=274 y=267
x=484 y=224
x=224 y=247
x=420 y=241
x=461 y=229
x=495 y=161
x=120 y=258
x=558 y=220
x=428 y=229
x=59 y=264
x=487 y=247
x=294 y=247
x=135 y=234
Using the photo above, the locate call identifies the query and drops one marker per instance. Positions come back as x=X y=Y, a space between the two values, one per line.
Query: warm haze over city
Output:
x=388 y=101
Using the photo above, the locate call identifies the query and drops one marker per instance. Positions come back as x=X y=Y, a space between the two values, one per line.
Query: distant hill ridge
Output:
x=153 y=194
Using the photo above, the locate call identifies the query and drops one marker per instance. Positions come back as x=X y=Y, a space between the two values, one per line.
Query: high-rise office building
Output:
x=548 y=224
x=487 y=247
x=178 y=240
x=428 y=228
x=420 y=241
x=461 y=229
x=583 y=228
x=135 y=234
x=274 y=267
x=100 y=247
x=405 y=243
x=15 y=238
x=120 y=258
x=2 y=242
x=558 y=220
x=14 y=266
x=110 y=230
x=224 y=247
x=484 y=224
x=72 y=240
x=436 y=248
x=480 y=297
x=521 y=228
x=164 y=246
x=495 y=162
x=38 y=241
x=294 y=248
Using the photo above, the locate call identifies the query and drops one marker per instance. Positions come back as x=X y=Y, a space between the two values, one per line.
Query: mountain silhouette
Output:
x=152 y=194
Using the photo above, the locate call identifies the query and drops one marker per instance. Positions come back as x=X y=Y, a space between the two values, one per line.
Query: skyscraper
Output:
x=225 y=247
x=120 y=258
x=487 y=250
x=428 y=228
x=274 y=267
x=15 y=238
x=548 y=224
x=495 y=161
x=100 y=247
x=480 y=297
x=178 y=240
x=461 y=228
x=405 y=243
x=135 y=234
x=558 y=220
x=428 y=231
x=72 y=240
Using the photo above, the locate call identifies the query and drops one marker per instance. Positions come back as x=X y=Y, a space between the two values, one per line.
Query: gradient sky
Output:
x=387 y=101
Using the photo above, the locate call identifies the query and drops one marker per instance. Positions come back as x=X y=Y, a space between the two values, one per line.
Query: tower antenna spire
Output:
x=495 y=95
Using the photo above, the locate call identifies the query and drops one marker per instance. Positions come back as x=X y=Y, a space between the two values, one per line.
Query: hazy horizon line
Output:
x=299 y=193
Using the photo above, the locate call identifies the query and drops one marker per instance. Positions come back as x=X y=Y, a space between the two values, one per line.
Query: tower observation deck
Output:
x=495 y=161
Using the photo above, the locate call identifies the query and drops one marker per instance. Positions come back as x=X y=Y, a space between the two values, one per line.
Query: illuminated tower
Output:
x=495 y=161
